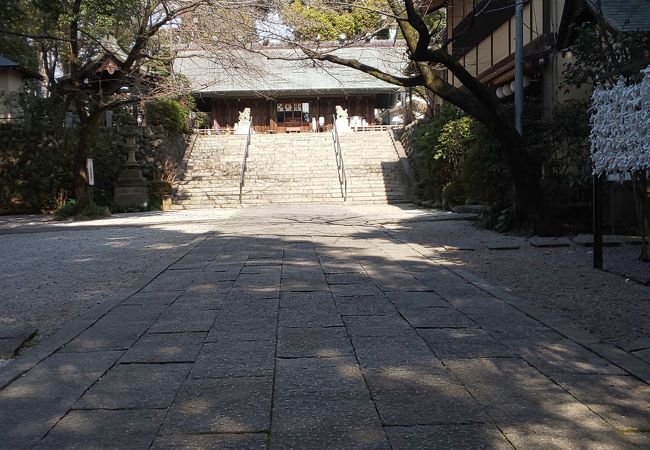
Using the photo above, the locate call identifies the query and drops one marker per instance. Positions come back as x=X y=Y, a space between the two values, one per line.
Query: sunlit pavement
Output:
x=32 y=223
x=311 y=327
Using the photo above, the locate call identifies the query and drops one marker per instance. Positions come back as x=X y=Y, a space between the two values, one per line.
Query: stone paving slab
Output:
x=378 y=352
x=504 y=245
x=206 y=285
x=324 y=402
x=33 y=404
x=223 y=441
x=136 y=386
x=307 y=422
x=189 y=264
x=172 y=280
x=419 y=397
x=447 y=437
x=622 y=401
x=165 y=348
x=347 y=278
x=237 y=329
x=299 y=312
x=107 y=334
x=104 y=429
x=416 y=299
x=377 y=326
x=296 y=331
x=636 y=345
x=224 y=405
x=515 y=393
x=365 y=305
x=450 y=343
x=134 y=313
x=549 y=242
x=355 y=290
x=184 y=320
x=561 y=436
x=587 y=240
x=334 y=377
x=200 y=302
x=563 y=357
x=251 y=307
x=423 y=317
x=152 y=298
x=313 y=342
x=227 y=359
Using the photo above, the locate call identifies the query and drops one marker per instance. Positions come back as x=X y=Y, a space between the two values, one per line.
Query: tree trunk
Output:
x=81 y=154
x=529 y=200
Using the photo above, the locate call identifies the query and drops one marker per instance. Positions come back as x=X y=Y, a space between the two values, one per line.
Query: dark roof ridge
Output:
x=6 y=63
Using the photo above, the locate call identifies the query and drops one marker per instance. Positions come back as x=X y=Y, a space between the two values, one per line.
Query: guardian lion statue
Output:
x=245 y=115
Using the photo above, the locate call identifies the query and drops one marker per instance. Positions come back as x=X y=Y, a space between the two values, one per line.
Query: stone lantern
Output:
x=131 y=188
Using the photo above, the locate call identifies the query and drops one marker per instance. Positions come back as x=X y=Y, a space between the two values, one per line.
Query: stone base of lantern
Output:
x=126 y=196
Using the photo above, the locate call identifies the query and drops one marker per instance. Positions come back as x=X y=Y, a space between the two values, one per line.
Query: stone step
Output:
x=291 y=169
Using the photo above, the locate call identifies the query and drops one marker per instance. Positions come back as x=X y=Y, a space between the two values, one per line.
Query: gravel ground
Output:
x=51 y=272
x=610 y=303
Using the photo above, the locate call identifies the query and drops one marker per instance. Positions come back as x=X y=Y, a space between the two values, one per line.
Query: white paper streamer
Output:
x=620 y=127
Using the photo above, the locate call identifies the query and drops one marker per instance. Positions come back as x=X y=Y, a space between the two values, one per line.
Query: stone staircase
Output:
x=374 y=171
x=211 y=173
x=290 y=168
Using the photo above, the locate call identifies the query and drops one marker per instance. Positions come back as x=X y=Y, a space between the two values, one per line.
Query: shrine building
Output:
x=287 y=92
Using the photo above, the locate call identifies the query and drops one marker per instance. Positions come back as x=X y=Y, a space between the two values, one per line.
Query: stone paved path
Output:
x=313 y=328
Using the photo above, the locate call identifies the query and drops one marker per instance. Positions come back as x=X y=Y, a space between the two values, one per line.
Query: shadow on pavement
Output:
x=282 y=332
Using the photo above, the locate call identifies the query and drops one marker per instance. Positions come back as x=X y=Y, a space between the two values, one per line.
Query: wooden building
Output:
x=12 y=85
x=481 y=34
x=286 y=92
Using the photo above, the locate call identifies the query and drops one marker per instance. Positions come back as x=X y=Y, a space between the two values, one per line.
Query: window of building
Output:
x=292 y=112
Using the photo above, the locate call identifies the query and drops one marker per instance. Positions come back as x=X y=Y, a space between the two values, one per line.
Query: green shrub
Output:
x=89 y=211
x=453 y=194
x=431 y=171
x=169 y=113
x=452 y=143
x=34 y=167
x=160 y=188
x=453 y=147
x=485 y=171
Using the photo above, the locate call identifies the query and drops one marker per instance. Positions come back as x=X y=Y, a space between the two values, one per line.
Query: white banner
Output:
x=90 y=169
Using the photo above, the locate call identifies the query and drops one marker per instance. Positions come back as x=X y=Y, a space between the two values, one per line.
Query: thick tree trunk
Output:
x=81 y=153
x=88 y=121
x=529 y=199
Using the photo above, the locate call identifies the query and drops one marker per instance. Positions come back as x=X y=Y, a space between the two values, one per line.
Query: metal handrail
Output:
x=243 y=164
x=343 y=179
